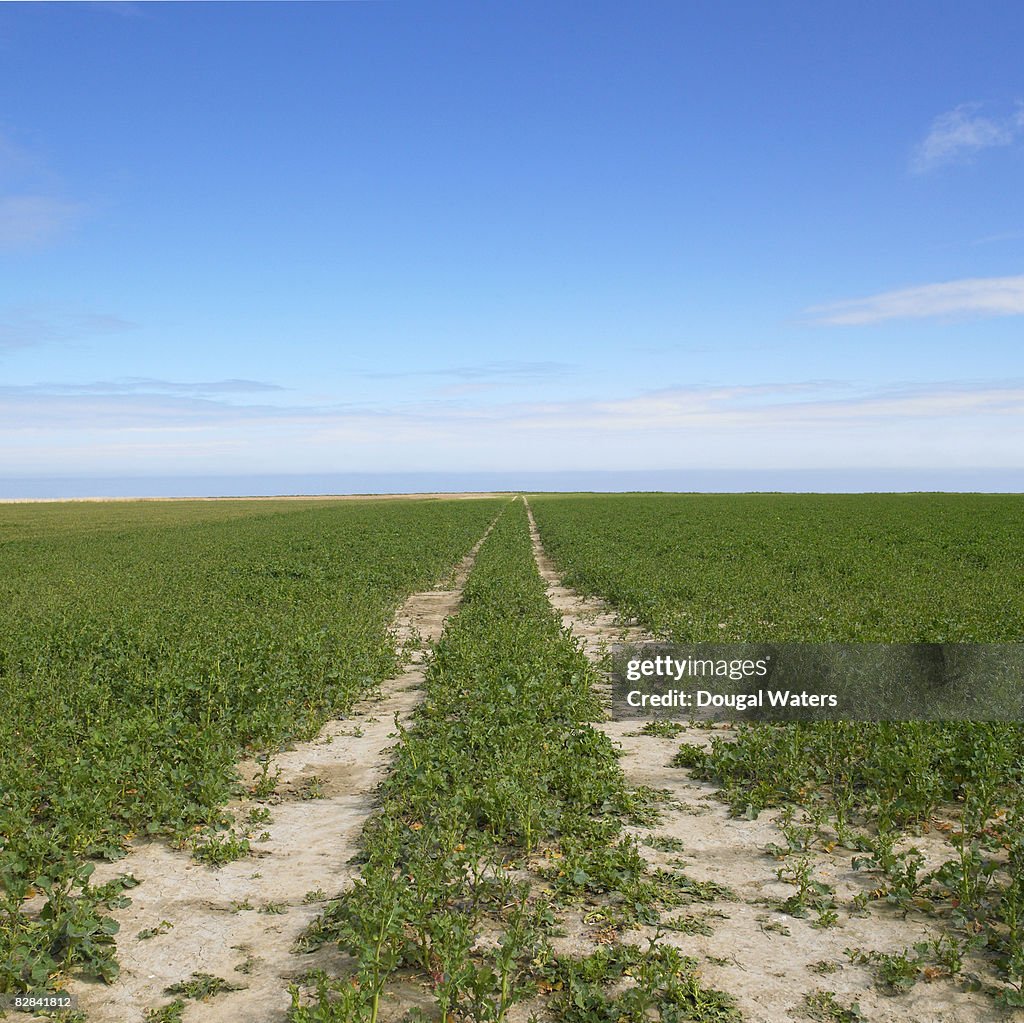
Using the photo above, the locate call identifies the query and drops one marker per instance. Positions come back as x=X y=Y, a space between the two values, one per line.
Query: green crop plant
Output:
x=201 y=986
x=172 y=1012
x=810 y=893
x=825 y=1007
x=895 y=972
x=657 y=983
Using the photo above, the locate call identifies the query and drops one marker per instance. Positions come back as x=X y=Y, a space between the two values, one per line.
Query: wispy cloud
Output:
x=1003 y=236
x=503 y=370
x=804 y=423
x=33 y=221
x=750 y=409
x=147 y=385
x=143 y=402
x=33 y=212
x=30 y=326
x=958 y=134
x=974 y=296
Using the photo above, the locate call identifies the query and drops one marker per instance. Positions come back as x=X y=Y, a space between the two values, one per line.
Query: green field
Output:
x=809 y=567
x=145 y=647
x=873 y=568
x=505 y=805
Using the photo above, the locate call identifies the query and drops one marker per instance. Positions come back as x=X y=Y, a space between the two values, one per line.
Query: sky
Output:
x=311 y=238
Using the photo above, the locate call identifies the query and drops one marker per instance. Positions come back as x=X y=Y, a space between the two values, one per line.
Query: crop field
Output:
x=520 y=858
x=145 y=647
x=878 y=568
x=503 y=805
x=755 y=567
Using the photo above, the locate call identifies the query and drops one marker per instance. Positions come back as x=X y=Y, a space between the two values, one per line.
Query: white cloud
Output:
x=974 y=296
x=765 y=410
x=961 y=132
x=801 y=424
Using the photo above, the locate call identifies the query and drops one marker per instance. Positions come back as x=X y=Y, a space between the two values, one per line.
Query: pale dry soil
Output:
x=760 y=955
x=241 y=921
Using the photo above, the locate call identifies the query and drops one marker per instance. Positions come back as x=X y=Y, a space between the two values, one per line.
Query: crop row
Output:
x=817 y=568
x=143 y=652
x=503 y=805
x=802 y=567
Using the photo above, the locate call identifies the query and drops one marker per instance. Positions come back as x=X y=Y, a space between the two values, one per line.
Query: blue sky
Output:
x=446 y=237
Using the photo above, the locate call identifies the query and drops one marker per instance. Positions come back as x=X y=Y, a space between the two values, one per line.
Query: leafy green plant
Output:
x=825 y=1007
x=664 y=843
x=311 y=788
x=201 y=986
x=810 y=893
x=172 y=1012
x=664 y=728
x=258 y=815
x=266 y=783
x=825 y=966
x=660 y=984
x=216 y=849
x=896 y=972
